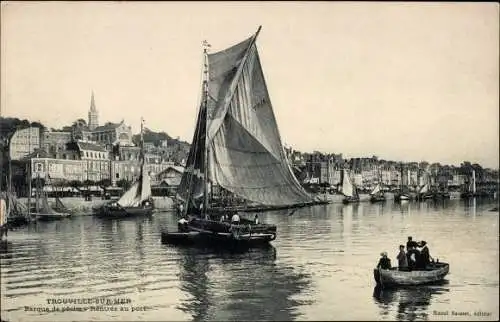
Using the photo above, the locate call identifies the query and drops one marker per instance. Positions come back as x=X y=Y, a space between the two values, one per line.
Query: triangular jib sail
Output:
x=245 y=152
x=376 y=190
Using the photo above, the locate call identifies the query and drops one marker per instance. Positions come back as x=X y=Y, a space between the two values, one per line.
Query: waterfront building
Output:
x=90 y=151
x=171 y=176
x=24 y=142
x=54 y=142
x=126 y=153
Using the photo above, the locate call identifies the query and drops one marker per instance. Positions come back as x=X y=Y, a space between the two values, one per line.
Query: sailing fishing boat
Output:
x=377 y=194
x=236 y=148
x=348 y=189
x=44 y=212
x=471 y=188
x=424 y=192
x=403 y=193
x=137 y=200
x=14 y=213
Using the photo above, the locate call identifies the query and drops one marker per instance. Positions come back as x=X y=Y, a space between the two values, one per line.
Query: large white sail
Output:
x=347 y=186
x=245 y=152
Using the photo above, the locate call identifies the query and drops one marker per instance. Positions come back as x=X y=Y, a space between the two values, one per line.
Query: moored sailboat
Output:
x=136 y=201
x=236 y=149
x=377 y=195
x=46 y=213
x=403 y=194
x=348 y=189
x=471 y=190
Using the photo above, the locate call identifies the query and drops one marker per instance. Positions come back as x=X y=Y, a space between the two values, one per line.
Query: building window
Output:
x=117 y=176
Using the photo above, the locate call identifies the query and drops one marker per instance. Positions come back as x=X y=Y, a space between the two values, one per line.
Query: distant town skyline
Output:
x=403 y=81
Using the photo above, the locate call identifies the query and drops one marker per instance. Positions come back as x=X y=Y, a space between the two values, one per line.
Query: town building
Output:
x=171 y=176
x=111 y=134
x=23 y=142
x=54 y=142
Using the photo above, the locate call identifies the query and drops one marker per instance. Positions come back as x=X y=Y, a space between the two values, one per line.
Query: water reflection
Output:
x=239 y=286
x=409 y=303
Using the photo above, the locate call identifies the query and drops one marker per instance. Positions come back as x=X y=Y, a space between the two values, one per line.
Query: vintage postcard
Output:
x=235 y=161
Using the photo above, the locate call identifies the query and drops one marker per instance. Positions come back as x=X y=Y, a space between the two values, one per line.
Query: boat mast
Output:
x=206 y=46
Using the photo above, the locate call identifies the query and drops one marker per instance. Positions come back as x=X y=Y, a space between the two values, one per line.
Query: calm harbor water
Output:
x=319 y=267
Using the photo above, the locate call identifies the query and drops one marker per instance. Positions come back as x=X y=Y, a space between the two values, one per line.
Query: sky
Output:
x=402 y=81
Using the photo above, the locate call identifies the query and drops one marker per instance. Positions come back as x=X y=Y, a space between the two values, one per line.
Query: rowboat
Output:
x=394 y=277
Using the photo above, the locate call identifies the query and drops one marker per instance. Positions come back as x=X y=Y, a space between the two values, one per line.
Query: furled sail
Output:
x=60 y=206
x=245 y=152
x=45 y=208
x=348 y=188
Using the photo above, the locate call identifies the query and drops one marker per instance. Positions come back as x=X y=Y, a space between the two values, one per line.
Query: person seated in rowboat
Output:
x=223 y=218
x=384 y=261
x=413 y=256
x=402 y=259
x=425 y=257
x=207 y=217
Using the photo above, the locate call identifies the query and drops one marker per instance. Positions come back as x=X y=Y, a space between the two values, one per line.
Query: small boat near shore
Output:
x=348 y=189
x=136 y=201
x=393 y=277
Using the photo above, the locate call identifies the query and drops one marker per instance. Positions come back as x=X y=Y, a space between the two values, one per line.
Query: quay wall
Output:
x=79 y=206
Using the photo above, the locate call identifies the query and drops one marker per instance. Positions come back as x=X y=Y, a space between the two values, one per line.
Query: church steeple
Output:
x=93 y=116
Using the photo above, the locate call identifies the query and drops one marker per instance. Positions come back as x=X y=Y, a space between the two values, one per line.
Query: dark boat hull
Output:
x=51 y=217
x=377 y=199
x=108 y=212
x=394 y=277
x=402 y=197
x=214 y=233
x=217 y=240
x=17 y=221
x=348 y=200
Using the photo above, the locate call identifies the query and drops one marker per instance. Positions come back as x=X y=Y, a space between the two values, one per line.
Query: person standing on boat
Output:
x=182 y=225
x=256 y=219
x=402 y=260
x=425 y=257
x=411 y=244
x=384 y=262
x=235 y=219
x=413 y=256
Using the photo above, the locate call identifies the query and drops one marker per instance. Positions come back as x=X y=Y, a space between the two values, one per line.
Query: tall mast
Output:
x=142 y=142
x=206 y=46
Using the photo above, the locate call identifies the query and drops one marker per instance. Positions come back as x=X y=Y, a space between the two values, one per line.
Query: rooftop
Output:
x=82 y=145
x=108 y=126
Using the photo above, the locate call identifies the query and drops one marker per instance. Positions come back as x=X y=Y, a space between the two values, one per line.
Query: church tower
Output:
x=93 y=117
